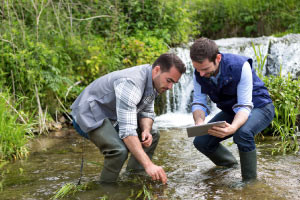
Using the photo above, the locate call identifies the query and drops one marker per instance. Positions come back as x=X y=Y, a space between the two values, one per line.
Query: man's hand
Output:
x=135 y=147
x=239 y=119
x=146 y=139
x=157 y=173
x=222 y=131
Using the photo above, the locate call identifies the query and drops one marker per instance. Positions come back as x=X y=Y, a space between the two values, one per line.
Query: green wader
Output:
x=115 y=152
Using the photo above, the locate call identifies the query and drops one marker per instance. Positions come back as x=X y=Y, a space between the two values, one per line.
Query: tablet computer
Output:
x=199 y=130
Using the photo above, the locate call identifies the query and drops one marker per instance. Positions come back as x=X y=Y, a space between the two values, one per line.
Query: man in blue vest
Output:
x=230 y=81
x=116 y=113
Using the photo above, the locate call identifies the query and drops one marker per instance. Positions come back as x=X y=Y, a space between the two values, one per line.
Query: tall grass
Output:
x=14 y=132
x=285 y=94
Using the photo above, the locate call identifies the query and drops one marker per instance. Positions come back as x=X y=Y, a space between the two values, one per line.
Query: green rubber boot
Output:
x=222 y=157
x=248 y=165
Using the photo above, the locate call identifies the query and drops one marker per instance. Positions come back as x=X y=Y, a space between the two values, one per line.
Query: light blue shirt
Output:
x=244 y=92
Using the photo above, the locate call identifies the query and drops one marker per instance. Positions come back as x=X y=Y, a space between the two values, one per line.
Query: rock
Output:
x=62 y=119
x=57 y=126
x=282 y=52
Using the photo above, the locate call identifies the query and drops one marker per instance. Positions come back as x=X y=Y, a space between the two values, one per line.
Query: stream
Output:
x=55 y=160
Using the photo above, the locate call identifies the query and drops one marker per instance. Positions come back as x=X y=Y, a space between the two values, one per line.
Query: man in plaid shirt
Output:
x=116 y=113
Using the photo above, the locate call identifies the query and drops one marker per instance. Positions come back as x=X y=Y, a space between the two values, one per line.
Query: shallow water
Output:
x=55 y=161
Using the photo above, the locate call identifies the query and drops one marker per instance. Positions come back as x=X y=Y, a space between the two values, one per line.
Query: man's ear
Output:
x=157 y=69
x=218 y=58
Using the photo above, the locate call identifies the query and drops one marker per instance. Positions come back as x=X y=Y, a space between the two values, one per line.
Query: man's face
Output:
x=164 y=81
x=206 y=68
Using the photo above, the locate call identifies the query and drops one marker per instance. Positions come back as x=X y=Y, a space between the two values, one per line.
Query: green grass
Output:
x=68 y=189
x=13 y=131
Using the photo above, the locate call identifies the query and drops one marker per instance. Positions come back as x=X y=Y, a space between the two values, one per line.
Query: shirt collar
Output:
x=150 y=90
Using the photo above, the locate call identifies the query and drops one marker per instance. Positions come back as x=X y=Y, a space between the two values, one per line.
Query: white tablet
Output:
x=199 y=130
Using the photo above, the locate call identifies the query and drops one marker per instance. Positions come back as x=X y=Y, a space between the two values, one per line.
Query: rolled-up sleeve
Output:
x=244 y=91
x=128 y=95
x=199 y=99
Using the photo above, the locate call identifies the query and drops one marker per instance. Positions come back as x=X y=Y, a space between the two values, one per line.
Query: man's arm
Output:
x=135 y=147
x=146 y=126
x=128 y=95
x=199 y=104
x=199 y=117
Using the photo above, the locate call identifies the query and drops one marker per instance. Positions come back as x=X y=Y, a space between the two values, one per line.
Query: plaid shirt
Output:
x=131 y=105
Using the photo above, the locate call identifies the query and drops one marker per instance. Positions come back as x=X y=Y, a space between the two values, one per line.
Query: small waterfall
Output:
x=282 y=51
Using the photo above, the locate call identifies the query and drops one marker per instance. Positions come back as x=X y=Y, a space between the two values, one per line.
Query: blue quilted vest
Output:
x=224 y=94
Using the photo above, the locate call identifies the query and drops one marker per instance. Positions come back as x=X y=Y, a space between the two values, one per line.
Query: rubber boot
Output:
x=133 y=165
x=222 y=157
x=248 y=166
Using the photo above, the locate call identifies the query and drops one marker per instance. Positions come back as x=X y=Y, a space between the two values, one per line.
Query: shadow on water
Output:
x=55 y=161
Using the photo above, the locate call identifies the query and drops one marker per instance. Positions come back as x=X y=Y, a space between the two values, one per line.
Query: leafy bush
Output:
x=48 y=47
x=246 y=18
x=141 y=49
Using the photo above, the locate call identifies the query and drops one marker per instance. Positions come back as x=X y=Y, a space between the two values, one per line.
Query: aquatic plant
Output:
x=144 y=193
x=68 y=189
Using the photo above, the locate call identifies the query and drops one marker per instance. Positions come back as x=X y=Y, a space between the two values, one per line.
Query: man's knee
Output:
x=244 y=138
x=200 y=144
x=120 y=153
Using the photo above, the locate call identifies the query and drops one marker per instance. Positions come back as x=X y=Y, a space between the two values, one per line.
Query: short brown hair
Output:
x=204 y=48
x=168 y=60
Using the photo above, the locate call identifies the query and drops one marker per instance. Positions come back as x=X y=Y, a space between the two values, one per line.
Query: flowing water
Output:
x=56 y=159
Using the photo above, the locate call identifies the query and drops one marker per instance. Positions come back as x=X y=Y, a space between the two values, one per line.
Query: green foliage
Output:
x=169 y=20
x=104 y=56
x=246 y=18
x=285 y=94
x=140 y=49
x=13 y=133
x=52 y=49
